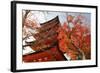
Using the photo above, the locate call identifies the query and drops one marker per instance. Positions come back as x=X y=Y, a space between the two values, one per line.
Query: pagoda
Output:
x=46 y=43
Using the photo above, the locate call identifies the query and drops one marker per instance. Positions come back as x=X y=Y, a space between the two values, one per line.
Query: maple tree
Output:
x=76 y=42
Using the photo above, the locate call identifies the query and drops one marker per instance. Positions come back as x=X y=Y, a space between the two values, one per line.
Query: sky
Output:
x=43 y=16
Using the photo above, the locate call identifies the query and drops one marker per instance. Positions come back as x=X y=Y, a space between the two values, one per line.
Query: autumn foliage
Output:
x=72 y=38
x=76 y=42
